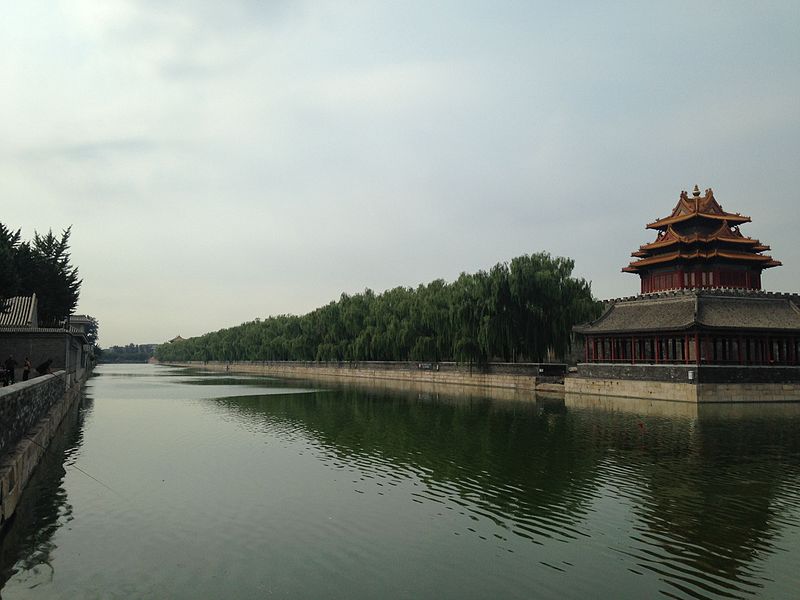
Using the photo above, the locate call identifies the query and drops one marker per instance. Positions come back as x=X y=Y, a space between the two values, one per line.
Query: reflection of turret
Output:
x=698 y=491
x=707 y=487
x=44 y=505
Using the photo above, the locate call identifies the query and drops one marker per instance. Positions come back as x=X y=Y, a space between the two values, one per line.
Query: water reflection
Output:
x=711 y=489
x=26 y=542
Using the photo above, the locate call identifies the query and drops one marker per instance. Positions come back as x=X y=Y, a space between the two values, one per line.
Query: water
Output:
x=171 y=484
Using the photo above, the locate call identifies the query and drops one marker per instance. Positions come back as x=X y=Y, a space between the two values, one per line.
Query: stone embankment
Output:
x=518 y=376
x=30 y=413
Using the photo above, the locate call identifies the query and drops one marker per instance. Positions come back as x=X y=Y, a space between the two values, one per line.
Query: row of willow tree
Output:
x=522 y=310
x=41 y=266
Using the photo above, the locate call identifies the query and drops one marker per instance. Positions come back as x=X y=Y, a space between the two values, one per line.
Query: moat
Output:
x=168 y=483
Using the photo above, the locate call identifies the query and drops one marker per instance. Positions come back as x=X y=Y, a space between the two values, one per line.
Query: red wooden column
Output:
x=657 y=350
x=633 y=350
x=697 y=347
x=739 y=348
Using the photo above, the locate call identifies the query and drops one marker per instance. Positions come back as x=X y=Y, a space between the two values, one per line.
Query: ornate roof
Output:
x=700 y=230
x=686 y=310
x=765 y=261
x=724 y=233
x=698 y=206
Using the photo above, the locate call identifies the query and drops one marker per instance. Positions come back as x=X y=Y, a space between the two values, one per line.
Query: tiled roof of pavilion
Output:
x=20 y=311
x=765 y=260
x=748 y=313
x=689 y=309
x=662 y=314
x=700 y=230
x=697 y=206
x=724 y=233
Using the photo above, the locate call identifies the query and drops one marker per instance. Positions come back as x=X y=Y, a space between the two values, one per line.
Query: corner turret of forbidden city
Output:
x=699 y=245
x=701 y=305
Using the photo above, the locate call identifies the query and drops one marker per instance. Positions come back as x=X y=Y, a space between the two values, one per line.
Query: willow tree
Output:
x=518 y=311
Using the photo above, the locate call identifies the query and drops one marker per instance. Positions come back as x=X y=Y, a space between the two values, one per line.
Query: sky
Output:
x=223 y=161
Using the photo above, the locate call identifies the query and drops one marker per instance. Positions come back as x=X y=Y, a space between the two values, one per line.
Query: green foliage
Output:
x=92 y=331
x=131 y=353
x=9 y=281
x=41 y=267
x=524 y=310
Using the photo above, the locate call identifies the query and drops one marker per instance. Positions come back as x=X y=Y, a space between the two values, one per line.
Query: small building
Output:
x=21 y=337
x=20 y=311
x=701 y=316
x=81 y=322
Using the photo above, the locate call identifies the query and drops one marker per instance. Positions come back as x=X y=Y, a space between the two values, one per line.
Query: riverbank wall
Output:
x=30 y=414
x=528 y=377
x=688 y=383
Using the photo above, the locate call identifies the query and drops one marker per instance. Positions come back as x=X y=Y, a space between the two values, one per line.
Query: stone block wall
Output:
x=643 y=372
x=728 y=393
x=749 y=374
x=621 y=388
x=41 y=347
x=44 y=400
x=524 y=376
x=24 y=404
x=680 y=373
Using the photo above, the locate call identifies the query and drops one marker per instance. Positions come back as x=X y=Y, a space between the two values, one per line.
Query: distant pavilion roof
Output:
x=702 y=309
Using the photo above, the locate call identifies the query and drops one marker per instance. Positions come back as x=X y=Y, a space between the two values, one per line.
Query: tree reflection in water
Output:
x=711 y=488
x=26 y=543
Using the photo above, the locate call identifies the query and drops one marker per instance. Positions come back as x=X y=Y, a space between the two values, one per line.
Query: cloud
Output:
x=232 y=160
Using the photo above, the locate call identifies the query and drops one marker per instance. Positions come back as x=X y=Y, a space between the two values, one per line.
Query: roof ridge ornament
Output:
x=696 y=192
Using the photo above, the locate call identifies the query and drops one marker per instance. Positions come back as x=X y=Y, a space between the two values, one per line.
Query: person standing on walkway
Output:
x=11 y=366
x=26 y=369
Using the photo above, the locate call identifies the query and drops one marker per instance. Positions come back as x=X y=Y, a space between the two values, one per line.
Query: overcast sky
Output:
x=221 y=161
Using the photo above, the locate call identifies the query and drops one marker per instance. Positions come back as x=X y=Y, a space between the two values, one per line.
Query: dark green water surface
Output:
x=172 y=484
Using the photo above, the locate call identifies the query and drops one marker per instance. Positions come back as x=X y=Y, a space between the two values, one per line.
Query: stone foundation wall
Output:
x=23 y=404
x=682 y=373
x=685 y=392
x=521 y=376
x=748 y=392
x=643 y=372
x=749 y=374
x=32 y=413
x=626 y=388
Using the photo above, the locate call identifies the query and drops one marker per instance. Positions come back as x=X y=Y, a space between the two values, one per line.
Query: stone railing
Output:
x=540 y=370
x=506 y=375
x=24 y=404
